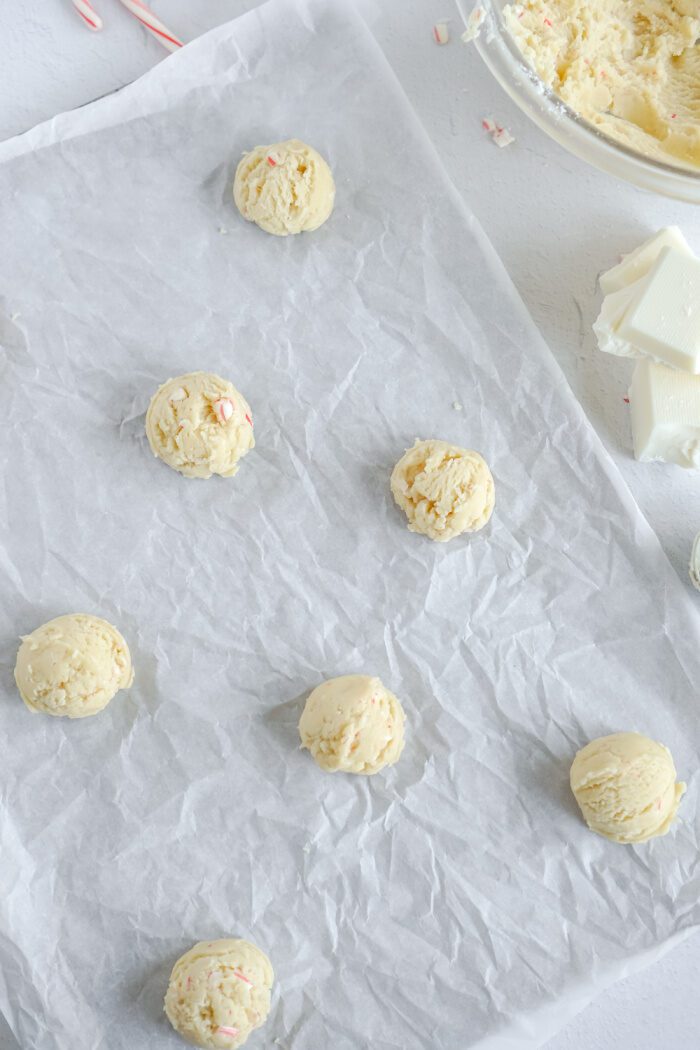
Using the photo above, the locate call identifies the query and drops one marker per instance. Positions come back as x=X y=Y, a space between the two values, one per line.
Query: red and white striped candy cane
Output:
x=88 y=14
x=152 y=24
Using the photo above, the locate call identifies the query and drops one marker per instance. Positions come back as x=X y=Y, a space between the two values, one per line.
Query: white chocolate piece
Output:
x=353 y=724
x=665 y=414
x=72 y=666
x=219 y=992
x=694 y=567
x=625 y=785
x=200 y=425
x=607 y=324
x=637 y=263
x=663 y=318
x=444 y=490
x=284 y=188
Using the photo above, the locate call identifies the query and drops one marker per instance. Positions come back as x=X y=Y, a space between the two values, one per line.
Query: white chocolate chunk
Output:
x=638 y=262
x=663 y=319
x=665 y=410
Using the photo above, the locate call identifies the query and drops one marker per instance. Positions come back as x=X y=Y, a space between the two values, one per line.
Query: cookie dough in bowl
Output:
x=219 y=992
x=630 y=69
x=284 y=188
x=200 y=425
x=625 y=785
x=72 y=666
x=353 y=724
x=444 y=490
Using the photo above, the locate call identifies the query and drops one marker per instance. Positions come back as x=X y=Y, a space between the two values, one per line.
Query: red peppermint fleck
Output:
x=271 y=162
x=626 y=400
x=547 y=23
x=249 y=419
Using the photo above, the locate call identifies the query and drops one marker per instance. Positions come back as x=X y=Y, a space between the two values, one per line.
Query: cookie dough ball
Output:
x=72 y=666
x=353 y=724
x=625 y=785
x=219 y=992
x=284 y=188
x=443 y=490
x=200 y=425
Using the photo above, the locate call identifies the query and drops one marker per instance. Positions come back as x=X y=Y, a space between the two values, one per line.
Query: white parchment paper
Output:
x=456 y=900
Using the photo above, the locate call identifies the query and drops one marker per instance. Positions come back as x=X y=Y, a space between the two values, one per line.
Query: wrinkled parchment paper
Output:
x=456 y=900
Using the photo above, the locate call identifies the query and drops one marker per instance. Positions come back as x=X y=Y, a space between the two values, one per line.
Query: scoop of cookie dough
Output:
x=625 y=785
x=631 y=69
x=200 y=425
x=353 y=724
x=443 y=490
x=284 y=188
x=219 y=992
x=72 y=666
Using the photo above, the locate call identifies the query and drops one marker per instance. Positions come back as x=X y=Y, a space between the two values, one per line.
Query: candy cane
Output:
x=152 y=24
x=88 y=14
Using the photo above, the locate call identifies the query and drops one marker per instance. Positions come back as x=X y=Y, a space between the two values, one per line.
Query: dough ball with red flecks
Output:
x=200 y=425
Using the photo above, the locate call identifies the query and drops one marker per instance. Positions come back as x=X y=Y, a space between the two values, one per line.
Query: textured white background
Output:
x=555 y=224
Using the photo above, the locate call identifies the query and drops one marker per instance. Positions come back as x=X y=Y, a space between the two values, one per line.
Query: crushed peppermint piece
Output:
x=223 y=409
x=500 y=135
x=503 y=138
x=242 y=977
x=178 y=395
x=225 y=1030
x=548 y=23
x=441 y=33
x=456 y=405
x=222 y=229
x=249 y=419
x=474 y=24
x=272 y=162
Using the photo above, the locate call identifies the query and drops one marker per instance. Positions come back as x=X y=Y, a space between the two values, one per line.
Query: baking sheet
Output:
x=456 y=900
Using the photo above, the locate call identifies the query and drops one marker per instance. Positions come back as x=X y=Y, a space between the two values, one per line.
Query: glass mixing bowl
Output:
x=500 y=53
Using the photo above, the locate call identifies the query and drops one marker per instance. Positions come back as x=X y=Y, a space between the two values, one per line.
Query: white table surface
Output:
x=555 y=223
